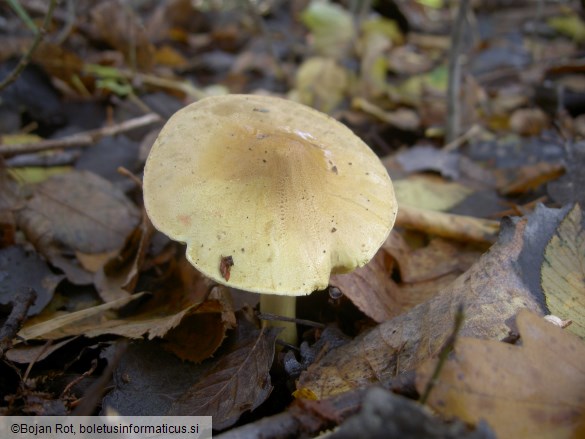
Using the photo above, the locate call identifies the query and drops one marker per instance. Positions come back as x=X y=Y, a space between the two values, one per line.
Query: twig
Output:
x=454 y=85
x=27 y=56
x=80 y=139
x=448 y=225
x=81 y=377
x=268 y=316
x=40 y=353
x=129 y=174
x=23 y=15
x=456 y=143
x=69 y=23
x=444 y=353
x=63 y=158
x=24 y=300
x=93 y=395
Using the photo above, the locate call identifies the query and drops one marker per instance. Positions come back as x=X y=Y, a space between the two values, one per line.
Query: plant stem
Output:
x=27 y=56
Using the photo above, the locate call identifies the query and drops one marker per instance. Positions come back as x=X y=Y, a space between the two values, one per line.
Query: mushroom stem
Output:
x=284 y=306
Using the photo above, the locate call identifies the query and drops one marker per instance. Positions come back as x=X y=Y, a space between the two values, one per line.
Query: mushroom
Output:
x=269 y=195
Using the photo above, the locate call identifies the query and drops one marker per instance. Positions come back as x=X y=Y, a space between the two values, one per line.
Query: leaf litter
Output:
x=100 y=272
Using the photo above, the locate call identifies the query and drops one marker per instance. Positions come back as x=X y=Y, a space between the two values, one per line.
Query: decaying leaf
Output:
x=199 y=335
x=332 y=27
x=148 y=379
x=184 y=293
x=237 y=382
x=430 y=192
x=492 y=291
x=386 y=415
x=536 y=389
x=118 y=276
x=321 y=83
x=456 y=227
x=432 y=261
x=423 y=272
x=120 y=27
x=402 y=118
x=20 y=269
x=563 y=271
x=76 y=211
x=368 y=287
x=528 y=121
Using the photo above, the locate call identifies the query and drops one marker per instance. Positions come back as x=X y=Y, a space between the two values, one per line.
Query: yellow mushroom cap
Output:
x=289 y=193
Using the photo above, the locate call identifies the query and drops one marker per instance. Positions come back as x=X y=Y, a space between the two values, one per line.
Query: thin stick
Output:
x=455 y=61
x=85 y=138
x=20 y=306
x=27 y=56
x=129 y=174
x=456 y=143
x=444 y=353
x=272 y=317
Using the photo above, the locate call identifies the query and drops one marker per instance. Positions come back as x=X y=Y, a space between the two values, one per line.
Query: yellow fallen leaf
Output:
x=563 y=272
x=534 y=390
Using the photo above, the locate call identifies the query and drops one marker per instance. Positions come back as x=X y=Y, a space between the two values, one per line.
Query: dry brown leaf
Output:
x=528 y=177
x=239 y=381
x=528 y=121
x=183 y=292
x=533 y=390
x=115 y=23
x=117 y=278
x=76 y=211
x=439 y=258
x=368 y=287
x=492 y=291
x=404 y=119
x=199 y=336
x=423 y=272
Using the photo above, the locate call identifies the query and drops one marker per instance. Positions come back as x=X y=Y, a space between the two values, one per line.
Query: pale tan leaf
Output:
x=533 y=390
x=563 y=272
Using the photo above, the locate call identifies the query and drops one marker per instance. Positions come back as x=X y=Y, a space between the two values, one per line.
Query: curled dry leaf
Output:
x=533 y=390
x=457 y=227
x=118 y=276
x=238 y=381
x=492 y=291
x=184 y=293
x=423 y=272
x=439 y=258
x=368 y=287
x=200 y=335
